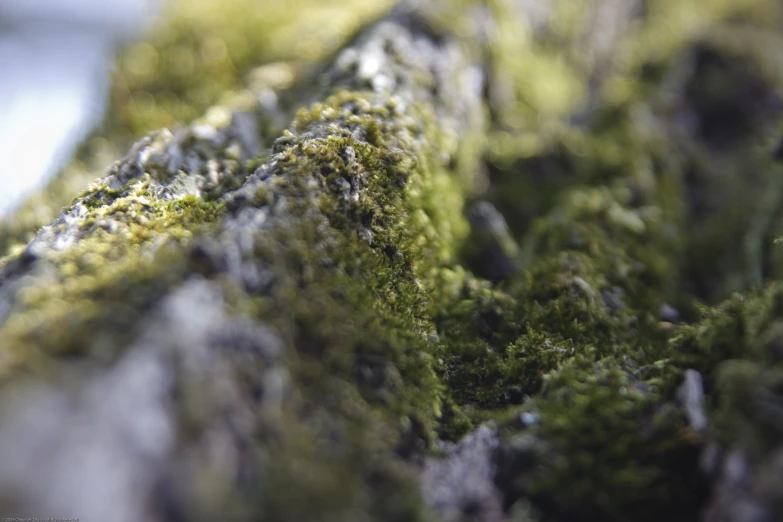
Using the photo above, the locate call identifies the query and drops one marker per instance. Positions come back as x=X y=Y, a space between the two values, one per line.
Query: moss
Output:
x=525 y=185
x=204 y=51
x=737 y=346
x=531 y=170
x=380 y=174
x=748 y=412
x=198 y=56
x=373 y=164
x=125 y=239
x=741 y=327
x=347 y=236
x=354 y=183
x=366 y=390
x=597 y=267
x=331 y=241
x=608 y=446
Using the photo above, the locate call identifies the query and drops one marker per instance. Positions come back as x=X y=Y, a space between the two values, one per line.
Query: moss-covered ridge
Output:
x=328 y=241
x=199 y=60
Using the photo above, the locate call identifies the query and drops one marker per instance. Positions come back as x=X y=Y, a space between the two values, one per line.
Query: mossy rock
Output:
x=452 y=271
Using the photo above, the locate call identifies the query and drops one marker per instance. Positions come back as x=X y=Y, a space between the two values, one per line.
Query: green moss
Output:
x=199 y=54
x=738 y=347
x=334 y=238
x=380 y=174
x=347 y=237
x=609 y=447
x=366 y=389
x=749 y=406
x=204 y=52
x=127 y=239
x=596 y=269
x=741 y=327
x=393 y=220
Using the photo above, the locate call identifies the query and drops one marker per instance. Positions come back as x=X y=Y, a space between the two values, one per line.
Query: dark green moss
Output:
x=608 y=446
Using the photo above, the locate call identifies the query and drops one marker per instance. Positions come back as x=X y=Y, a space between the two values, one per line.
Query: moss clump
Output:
x=123 y=240
x=203 y=52
x=741 y=327
x=737 y=346
x=596 y=270
x=605 y=443
x=601 y=254
x=475 y=323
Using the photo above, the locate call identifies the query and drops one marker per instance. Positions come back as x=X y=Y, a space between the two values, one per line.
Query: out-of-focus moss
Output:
x=600 y=207
x=204 y=52
x=738 y=347
x=605 y=444
x=125 y=239
x=596 y=270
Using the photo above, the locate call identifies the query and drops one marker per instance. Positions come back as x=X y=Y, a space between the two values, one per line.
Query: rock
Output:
x=691 y=395
x=460 y=485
